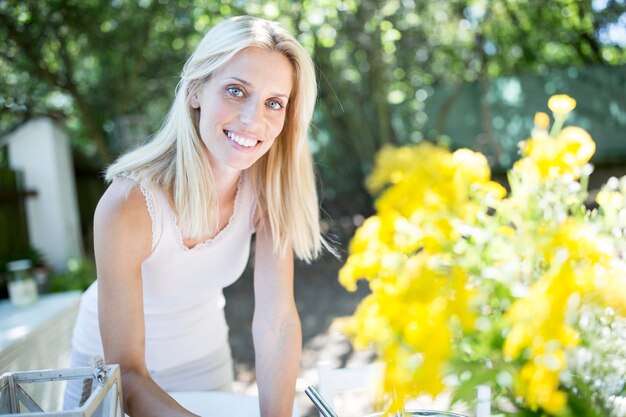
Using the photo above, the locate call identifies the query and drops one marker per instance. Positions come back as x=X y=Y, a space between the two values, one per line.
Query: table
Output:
x=220 y=404
x=38 y=336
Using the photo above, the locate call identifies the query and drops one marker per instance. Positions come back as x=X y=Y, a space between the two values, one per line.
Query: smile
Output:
x=246 y=142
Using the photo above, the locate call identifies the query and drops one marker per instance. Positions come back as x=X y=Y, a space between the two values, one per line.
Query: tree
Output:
x=97 y=62
x=104 y=62
x=381 y=60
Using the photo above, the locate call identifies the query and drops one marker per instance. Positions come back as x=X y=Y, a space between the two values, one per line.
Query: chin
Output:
x=242 y=165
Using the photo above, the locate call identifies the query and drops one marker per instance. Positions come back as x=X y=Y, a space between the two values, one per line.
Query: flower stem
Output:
x=559 y=119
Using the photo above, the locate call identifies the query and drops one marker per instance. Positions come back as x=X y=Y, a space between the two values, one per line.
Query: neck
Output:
x=226 y=181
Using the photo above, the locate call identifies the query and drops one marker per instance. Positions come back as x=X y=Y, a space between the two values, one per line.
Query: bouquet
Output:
x=472 y=284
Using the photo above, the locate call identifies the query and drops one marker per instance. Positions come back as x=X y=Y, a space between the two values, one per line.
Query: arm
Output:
x=122 y=240
x=276 y=328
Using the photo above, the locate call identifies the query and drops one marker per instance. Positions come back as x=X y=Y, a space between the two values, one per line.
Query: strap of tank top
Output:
x=148 y=194
x=153 y=209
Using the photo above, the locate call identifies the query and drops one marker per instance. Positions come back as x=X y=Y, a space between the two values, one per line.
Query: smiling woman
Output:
x=174 y=227
x=242 y=108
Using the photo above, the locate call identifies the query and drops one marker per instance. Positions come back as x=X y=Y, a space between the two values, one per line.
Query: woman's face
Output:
x=243 y=107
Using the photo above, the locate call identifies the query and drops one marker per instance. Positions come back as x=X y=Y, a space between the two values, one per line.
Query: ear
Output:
x=194 y=101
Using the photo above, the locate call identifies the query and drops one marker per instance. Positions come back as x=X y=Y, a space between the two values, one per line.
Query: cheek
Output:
x=215 y=113
x=276 y=126
x=224 y=111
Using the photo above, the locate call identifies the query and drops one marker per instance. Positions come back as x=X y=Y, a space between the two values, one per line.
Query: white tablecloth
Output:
x=220 y=404
x=38 y=337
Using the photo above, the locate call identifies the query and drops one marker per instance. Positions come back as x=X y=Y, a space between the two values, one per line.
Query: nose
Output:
x=249 y=112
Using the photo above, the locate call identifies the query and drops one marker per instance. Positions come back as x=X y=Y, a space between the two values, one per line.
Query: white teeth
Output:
x=248 y=143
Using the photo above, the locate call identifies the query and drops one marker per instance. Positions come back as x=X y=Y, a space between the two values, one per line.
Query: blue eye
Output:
x=235 y=91
x=274 y=105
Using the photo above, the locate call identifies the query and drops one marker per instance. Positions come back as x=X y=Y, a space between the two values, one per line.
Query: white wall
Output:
x=41 y=150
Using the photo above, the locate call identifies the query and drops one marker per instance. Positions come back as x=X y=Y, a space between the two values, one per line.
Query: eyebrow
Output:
x=247 y=84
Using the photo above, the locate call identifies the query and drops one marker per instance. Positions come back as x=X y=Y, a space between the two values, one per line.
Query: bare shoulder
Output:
x=122 y=213
x=123 y=199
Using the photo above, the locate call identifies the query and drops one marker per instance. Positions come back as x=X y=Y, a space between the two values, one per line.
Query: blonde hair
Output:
x=283 y=178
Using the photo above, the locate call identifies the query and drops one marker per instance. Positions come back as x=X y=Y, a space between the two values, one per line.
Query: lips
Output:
x=241 y=140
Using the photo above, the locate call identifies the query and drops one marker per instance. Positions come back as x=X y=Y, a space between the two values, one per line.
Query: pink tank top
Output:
x=182 y=288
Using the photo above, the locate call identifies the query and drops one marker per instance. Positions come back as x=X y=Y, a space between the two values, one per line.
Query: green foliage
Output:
x=94 y=61
x=385 y=60
x=79 y=276
x=109 y=64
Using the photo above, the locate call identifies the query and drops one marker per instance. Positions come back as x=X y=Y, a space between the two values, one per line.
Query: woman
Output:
x=174 y=226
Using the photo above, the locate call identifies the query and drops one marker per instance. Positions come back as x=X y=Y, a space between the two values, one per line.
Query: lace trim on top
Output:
x=150 y=205
x=221 y=233
x=148 y=196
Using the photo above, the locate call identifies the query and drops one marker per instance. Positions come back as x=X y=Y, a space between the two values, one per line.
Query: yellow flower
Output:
x=462 y=275
x=542 y=121
x=392 y=164
x=561 y=104
x=367 y=236
x=579 y=265
x=553 y=157
x=471 y=166
x=539 y=386
x=578 y=147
